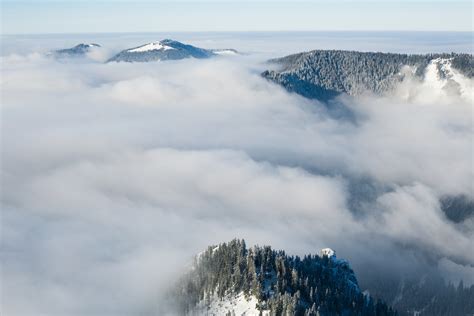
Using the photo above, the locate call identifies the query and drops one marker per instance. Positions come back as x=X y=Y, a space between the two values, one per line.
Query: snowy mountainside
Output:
x=231 y=279
x=325 y=74
x=167 y=49
x=235 y=304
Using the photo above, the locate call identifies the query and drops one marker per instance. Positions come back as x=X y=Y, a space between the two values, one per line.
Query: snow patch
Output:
x=328 y=252
x=237 y=305
x=439 y=73
x=440 y=80
x=150 y=47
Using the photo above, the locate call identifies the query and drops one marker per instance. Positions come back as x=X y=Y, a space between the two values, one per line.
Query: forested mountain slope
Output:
x=324 y=74
x=236 y=280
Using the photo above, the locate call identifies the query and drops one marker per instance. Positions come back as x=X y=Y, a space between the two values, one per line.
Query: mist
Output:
x=115 y=175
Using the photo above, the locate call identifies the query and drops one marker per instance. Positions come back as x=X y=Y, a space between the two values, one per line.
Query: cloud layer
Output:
x=114 y=175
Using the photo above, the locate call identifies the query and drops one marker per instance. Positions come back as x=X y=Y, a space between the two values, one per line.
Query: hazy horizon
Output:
x=274 y=42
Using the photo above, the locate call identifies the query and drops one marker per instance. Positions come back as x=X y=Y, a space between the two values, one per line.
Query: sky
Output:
x=85 y=16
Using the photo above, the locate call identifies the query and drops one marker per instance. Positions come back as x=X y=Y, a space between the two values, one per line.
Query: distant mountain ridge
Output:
x=325 y=74
x=231 y=279
x=167 y=50
x=76 y=51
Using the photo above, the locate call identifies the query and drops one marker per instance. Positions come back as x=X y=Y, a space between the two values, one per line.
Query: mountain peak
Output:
x=167 y=49
x=233 y=279
x=90 y=45
x=77 y=51
x=169 y=41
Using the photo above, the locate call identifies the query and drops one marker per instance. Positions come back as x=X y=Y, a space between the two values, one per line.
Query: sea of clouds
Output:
x=114 y=175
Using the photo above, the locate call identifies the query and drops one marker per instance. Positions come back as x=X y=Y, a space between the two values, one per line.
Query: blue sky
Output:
x=83 y=16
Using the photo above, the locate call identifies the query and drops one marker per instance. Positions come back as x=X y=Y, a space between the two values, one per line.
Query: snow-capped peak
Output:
x=150 y=47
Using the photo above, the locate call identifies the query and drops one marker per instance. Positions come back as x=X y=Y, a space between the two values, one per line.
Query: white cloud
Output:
x=113 y=175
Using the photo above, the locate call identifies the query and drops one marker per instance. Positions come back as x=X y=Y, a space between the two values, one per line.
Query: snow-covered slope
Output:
x=150 y=47
x=324 y=74
x=167 y=50
x=441 y=76
x=235 y=304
